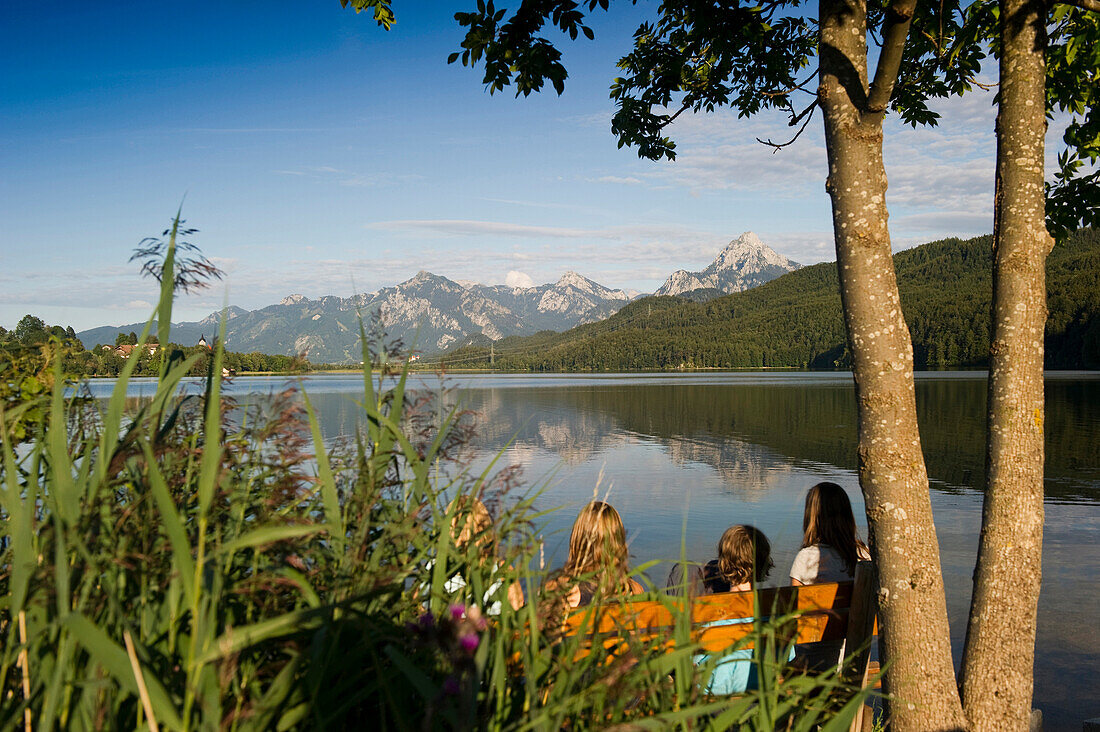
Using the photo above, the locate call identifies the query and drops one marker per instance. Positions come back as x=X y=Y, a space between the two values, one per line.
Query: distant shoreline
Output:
x=747 y=369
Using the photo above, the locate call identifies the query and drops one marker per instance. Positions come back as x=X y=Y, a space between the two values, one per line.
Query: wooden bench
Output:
x=836 y=611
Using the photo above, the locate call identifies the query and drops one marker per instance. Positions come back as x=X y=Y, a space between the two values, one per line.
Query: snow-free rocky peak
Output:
x=572 y=279
x=587 y=286
x=215 y=318
x=422 y=276
x=293 y=300
x=747 y=253
x=745 y=263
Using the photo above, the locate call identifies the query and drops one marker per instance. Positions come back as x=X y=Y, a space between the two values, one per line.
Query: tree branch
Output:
x=807 y=113
x=796 y=87
x=1091 y=5
x=895 y=29
x=672 y=118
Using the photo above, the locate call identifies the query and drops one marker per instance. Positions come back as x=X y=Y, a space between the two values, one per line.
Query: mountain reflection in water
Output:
x=683 y=456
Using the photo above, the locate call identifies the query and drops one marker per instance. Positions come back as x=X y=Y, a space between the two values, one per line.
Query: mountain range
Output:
x=433 y=313
x=796 y=321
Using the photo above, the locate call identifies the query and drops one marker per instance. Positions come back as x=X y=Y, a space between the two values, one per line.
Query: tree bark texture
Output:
x=999 y=654
x=915 y=637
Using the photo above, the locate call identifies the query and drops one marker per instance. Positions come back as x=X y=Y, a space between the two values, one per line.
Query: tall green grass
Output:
x=194 y=564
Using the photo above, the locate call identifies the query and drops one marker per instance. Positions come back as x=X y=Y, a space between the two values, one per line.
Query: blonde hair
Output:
x=828 y=520
x=744 y=554
x=597 y=546
x=471 y=521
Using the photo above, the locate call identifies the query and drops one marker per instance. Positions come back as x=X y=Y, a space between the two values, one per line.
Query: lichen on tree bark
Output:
x=912 y=606
x=998 y=656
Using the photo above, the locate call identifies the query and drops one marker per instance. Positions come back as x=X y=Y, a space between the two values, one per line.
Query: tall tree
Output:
x=1006 y=584
x=892 y=473
x=998 y=656
x=30 y=330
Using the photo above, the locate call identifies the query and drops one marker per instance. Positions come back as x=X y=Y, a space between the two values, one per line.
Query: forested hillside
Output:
x=796 y=321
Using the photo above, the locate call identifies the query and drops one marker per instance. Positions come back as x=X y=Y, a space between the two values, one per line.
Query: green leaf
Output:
x=330 y=499
x=270 y=535
x=235 y=640
x=173 y=524
x=113 y=658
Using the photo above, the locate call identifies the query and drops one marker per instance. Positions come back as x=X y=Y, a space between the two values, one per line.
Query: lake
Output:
x=683 y=456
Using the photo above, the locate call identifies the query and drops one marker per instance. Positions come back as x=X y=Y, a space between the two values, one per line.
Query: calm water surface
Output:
x=704 y=451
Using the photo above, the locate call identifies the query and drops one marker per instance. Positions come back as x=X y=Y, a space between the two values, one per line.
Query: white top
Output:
x=819 y=563
x=457 y=583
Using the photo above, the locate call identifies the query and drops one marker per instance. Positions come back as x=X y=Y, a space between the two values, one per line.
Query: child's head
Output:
x=828 y=520
x=471 y=521
x=598 y=544
x=744 y=555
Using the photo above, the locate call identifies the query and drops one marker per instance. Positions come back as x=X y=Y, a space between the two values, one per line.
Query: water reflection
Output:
x=744 y=427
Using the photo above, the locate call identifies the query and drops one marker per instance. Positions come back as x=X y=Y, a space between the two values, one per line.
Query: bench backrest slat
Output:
x=825 y=612
x=823 y=608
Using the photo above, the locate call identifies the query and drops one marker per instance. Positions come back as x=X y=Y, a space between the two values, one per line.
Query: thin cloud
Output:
x=327 y=173
x=459 y=227
x=518 y=279
x=939 y=224
x=804 y=247
x=528 y=232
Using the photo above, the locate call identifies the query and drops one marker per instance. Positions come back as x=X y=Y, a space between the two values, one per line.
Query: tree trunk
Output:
x=915 y=637
x=999 y=653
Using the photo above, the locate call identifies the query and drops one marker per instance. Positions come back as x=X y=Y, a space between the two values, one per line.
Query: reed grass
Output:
x=192 y=564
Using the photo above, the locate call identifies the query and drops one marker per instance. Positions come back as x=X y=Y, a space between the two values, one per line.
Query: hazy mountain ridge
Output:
x=428 y=310
x=434 y=313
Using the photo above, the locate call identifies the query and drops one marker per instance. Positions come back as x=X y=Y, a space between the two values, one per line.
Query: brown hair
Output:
x=471 y=521
x=597 y=546
x=828 y=520
x=744 y=554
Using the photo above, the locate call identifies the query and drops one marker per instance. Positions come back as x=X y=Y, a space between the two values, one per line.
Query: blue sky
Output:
x=318 y=154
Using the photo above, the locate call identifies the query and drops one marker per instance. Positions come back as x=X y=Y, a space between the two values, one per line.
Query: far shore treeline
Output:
x=27 y=340
x=795 y=321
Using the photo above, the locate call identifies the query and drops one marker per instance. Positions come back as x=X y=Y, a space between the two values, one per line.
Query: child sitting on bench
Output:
x=744 y=559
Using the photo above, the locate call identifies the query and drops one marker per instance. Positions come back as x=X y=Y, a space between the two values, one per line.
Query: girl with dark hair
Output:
x=830 y=542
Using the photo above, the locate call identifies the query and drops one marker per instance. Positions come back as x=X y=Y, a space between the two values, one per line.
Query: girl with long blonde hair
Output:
x=472 y=527
x=598 y=555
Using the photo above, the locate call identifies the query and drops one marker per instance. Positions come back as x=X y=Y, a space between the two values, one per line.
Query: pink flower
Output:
x=458 y=611
x=469 y=643
x=474 y=614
